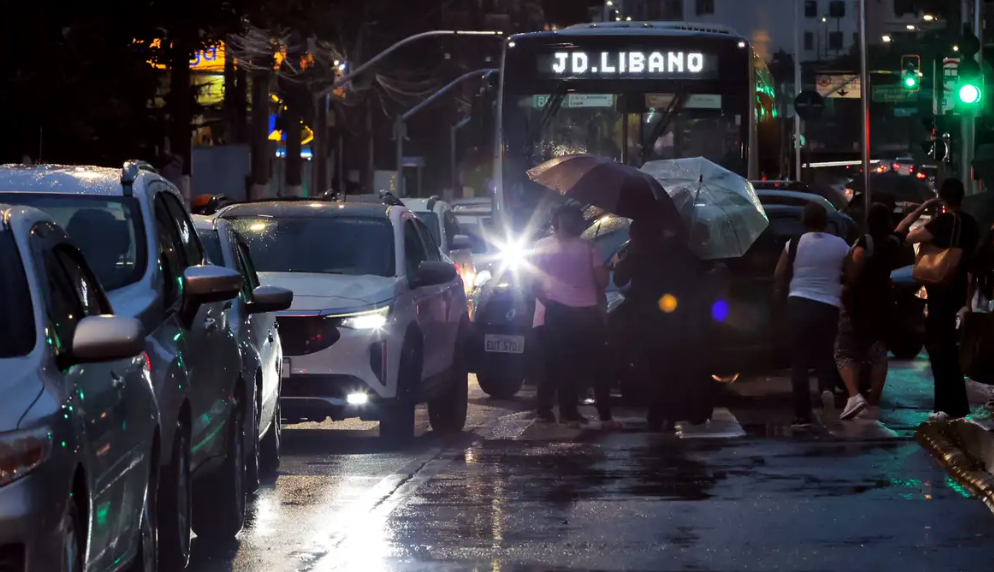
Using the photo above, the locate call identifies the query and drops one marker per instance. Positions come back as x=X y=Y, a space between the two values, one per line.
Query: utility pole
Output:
x=399 y=124
x=797 y=88
x=865 y=92
x=968 y=114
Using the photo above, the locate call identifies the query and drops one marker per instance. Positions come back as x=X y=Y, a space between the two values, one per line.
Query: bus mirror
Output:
x=631 y=103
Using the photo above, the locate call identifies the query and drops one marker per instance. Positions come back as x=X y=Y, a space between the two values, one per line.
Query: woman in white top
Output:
x=814 y=267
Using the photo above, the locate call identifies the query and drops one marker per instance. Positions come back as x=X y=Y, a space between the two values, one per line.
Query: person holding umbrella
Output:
x=570 y=285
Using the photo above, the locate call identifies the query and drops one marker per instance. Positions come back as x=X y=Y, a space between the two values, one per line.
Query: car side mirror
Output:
x=461 y=242
x=270 y=299
x=206 y=284
x=107 y=338
x=432 y=273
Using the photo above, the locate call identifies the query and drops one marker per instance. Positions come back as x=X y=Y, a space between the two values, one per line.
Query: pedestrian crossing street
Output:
x=723 y=425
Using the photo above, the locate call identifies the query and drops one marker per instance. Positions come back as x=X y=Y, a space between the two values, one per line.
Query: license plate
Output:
x=505 y=344
x=286 y=368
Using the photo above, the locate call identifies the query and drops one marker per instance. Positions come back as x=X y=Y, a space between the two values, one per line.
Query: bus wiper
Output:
x=549 y=110
x=675 y=107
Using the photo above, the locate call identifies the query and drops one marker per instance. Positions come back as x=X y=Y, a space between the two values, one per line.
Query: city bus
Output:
x=634 y=92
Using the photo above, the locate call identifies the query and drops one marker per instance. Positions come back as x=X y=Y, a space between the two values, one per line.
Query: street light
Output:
x=886 y=39
x=910 y=26
x=928 y=17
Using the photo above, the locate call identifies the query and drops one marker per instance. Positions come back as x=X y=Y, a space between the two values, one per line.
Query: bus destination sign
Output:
x=627 y=64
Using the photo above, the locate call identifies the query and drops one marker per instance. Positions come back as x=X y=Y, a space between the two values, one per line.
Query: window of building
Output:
x=835 y=41
x=837 y=9
x=671 y=10
x=855 y=37
x=810 y=8
x=704 y=7
x=809 y=41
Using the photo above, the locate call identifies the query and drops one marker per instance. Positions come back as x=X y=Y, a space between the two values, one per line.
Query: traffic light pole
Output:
x=968 y=124
x=865 y=94
x=797 y=89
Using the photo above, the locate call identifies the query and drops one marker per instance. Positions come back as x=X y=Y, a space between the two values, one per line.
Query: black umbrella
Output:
x=903 y=188
x=608 y=185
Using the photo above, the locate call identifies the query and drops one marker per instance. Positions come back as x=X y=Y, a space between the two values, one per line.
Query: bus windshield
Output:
x=667 y=126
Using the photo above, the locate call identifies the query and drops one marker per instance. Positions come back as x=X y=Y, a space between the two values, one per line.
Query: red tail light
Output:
x=148 y=362
x=920 y=175
x=458 y=269
x=911 y=169
x=896 y=166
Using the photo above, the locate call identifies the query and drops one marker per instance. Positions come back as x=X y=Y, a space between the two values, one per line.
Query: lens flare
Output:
x=719 y=311
x=668 y=303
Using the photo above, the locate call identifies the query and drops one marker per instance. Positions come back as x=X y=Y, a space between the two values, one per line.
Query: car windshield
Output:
x=212 y=244
x=17 y=328
x=477 y=229
x=355 y=246
x=108 y=230
x=431 y=221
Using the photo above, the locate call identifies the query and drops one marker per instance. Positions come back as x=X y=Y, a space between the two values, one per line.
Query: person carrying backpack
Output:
x=867 y=309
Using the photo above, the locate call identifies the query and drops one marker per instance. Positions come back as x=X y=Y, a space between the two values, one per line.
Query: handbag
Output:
x=936 y=266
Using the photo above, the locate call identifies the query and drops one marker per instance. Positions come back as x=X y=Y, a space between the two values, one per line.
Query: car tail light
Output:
x=920 y=175
x=148 y=362
x=896 y=166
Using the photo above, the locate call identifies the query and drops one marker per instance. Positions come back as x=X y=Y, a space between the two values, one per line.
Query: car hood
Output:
x=19 y=387
x=332 y=291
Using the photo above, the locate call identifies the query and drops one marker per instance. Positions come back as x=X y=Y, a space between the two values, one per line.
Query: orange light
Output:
x=920 y=175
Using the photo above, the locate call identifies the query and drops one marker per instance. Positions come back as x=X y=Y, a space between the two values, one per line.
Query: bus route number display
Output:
x=630 y=64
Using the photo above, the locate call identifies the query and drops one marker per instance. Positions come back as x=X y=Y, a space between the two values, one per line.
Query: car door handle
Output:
x=116 y=380
x=272 y=338
x=227 y=305
x=210 y=324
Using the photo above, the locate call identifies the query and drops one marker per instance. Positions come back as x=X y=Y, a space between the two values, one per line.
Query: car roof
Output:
x=61 y=179
x=804 y=196
x=277 y=208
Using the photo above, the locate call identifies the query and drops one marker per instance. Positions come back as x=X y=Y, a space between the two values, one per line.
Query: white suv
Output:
x=444 y=229
x=378 y=321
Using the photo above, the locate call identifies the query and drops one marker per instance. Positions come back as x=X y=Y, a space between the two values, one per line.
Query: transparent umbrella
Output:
x=720 y=207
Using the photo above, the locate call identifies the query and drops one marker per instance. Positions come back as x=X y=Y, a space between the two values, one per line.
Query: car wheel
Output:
x=175 y=493
x=269 y=458
x=499 y=385
x=447 y=413
x=252 y=458
x=74 y=535
x=147 y=559
x=397 y=419
x=220 y=510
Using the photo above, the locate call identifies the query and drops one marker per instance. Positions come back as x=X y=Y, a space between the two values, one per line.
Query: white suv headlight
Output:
x=23 y=451
x=370 y=320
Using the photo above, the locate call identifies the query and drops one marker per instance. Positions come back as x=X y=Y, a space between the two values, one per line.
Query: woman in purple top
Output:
x=571 y=279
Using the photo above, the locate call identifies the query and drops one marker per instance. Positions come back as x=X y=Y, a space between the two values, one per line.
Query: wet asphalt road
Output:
x=744 y=493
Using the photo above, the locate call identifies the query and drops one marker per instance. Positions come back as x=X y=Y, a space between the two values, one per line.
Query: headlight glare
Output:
x=371 y=320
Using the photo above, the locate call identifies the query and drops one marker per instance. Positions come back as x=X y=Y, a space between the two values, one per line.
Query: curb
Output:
x=955 y=444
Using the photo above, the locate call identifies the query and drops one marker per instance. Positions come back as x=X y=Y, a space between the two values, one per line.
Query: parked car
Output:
x=907 y=334
x=837 y=199
x=438 y=217
x=76 y=492
x=254 y=325
x=138 y=238
x=378 y=322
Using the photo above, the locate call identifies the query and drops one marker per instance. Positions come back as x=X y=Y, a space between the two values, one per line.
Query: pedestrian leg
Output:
x=800 y=378
x=547 y=380
x=826 y=328
x=943 y=355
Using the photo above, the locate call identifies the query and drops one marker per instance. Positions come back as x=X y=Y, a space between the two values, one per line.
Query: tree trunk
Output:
x=240 y=102
x=260 y=134
x=181 y=111
x=230 y=106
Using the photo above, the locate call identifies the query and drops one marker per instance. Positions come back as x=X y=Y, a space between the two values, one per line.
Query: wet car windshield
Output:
x=355 y=246
x=108 y=230
x=17 y=328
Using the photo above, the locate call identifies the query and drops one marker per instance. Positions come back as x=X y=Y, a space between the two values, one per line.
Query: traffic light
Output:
x=971 y=82
x=911 y=72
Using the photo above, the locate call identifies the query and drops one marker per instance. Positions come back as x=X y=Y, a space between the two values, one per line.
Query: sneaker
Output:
x=854 y=405
x=801 y=423
x=828 y=412
x=939 y=416
x=545 y=417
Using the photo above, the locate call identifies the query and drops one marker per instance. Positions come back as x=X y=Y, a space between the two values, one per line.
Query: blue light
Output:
x=719 y=311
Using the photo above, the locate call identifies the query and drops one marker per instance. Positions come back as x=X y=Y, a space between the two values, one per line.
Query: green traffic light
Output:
x=969 y=93
x=910 y=82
